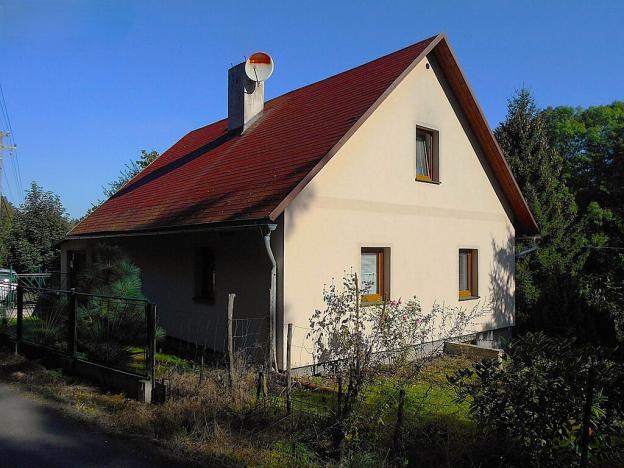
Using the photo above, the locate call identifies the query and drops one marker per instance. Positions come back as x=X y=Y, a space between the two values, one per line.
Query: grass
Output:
x=429 y=397
x=215 y=425
x=163 y=360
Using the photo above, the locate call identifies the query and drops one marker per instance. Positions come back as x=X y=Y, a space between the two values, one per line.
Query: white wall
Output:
x=367 y=196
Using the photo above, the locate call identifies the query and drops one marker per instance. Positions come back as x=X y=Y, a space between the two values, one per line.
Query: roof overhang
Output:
x=210 y=227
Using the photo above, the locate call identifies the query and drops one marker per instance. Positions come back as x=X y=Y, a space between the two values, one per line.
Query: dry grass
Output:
x=213 y=424
x=207 y=423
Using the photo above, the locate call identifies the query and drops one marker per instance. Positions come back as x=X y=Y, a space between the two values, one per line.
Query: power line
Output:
x=12 y=147
x=5 y=111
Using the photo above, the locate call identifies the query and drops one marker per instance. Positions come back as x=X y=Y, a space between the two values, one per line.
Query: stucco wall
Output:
x=167 y=270
x=366 y=196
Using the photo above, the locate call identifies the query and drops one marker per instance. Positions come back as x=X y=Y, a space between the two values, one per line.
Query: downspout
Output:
x=267 y=230
x=531 y=249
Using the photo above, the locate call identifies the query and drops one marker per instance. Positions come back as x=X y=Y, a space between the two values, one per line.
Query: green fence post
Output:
x=72 y=326
x=19 y=326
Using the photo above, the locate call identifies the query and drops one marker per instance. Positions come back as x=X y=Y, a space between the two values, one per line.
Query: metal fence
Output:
x=116 y=332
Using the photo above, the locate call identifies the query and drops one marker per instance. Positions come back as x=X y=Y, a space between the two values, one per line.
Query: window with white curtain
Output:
x=374 y=274
x=426 y=155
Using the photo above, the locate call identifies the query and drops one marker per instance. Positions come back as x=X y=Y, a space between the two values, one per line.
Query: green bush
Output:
x=534 y=400
x=108 y=327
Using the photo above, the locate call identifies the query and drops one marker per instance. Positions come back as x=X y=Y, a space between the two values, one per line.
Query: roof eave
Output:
x=182 y=229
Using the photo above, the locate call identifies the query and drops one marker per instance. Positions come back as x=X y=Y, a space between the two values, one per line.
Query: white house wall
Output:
x=367 y=196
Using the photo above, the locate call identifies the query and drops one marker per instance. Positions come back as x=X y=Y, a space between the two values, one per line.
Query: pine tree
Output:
x=548 y=290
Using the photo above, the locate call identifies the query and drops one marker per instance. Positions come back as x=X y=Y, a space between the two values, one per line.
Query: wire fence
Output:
x=114 y=331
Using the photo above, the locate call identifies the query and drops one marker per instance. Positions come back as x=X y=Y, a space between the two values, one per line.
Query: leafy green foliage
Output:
x=110 y=273
x=591 y=142
x=534 y=400
x=110 y=323
x=555 y=289
x=359 y=343
x=7 y=211
x=39 y=225
x=129 y=171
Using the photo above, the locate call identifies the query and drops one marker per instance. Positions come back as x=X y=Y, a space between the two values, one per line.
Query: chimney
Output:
x=245 y=98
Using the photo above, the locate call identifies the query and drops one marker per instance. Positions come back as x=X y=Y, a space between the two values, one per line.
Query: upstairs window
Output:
x=468 y=273
x=426 y=155
x=204 y=276
x=374 y=274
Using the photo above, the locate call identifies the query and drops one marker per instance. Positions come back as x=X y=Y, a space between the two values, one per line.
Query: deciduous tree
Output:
x=39 y=225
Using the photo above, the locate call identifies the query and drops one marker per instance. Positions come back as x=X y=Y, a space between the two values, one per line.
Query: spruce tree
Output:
x=548 y=288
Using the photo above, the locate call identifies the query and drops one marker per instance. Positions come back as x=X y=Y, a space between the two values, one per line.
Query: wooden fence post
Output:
x=399 y=423
x=72 y=325
x=150 y=311
x=201 y=368
x=230 y=337
x=259 y=386
x=339 y=399
x=288 y=367
x=589 y=398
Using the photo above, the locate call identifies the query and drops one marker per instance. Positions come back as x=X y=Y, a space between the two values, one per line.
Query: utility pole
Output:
x=2 y=148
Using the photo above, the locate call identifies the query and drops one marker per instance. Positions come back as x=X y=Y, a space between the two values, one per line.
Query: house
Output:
x=389 y=169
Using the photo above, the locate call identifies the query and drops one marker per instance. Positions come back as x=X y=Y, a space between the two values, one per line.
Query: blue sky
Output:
x=88 y=84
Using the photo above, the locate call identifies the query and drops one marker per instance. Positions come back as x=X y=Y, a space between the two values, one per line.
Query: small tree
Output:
x=39 y=225
x=7 y=211
x=357 y=342
x=535 y=400
x=110 y=322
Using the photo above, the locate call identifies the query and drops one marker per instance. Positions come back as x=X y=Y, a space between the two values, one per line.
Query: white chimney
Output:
x=246 y=90
x=245 y=98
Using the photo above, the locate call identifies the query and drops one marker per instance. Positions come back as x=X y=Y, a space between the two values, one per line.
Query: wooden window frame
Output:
x=383 y=275
x=432 y=137
x=472 y=275
x=204 y=260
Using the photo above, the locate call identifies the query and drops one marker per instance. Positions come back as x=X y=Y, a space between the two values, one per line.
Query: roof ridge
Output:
x=396 y=52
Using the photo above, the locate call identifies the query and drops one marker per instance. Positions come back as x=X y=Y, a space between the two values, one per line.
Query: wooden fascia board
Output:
x=476 y=118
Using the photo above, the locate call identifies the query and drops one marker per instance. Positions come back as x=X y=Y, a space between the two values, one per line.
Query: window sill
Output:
x=370 y=304
x=373 y=301
x=469 y=298
x=434 y=182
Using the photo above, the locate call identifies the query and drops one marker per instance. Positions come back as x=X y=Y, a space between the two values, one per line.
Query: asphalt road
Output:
x=33 y=434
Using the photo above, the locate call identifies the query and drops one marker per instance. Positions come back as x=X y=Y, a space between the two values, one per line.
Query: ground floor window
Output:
x=374 y=274
x=468 y=273
x=205 y=276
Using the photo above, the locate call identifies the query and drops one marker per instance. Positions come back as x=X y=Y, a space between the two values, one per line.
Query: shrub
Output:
x=535 y=399
x=358 y=343
x=107 y=328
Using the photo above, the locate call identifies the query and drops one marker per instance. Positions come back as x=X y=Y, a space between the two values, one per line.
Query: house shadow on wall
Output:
x=501 y=283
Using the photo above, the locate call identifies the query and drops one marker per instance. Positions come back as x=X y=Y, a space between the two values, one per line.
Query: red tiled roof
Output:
x=212 y=176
